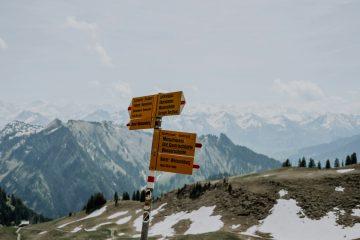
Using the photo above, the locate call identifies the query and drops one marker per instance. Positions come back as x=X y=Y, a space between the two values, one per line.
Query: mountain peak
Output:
x=17 y=128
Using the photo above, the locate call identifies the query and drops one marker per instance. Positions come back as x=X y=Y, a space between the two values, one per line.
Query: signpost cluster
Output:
x=171 y=151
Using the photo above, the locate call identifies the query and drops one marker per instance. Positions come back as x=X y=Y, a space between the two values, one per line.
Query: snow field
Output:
x=345 y=170
x=92 y=215
x=202 y=221
x=284 y=223
x=118 y=214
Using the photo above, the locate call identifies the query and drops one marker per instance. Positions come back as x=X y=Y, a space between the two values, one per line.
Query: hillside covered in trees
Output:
x=13 y=211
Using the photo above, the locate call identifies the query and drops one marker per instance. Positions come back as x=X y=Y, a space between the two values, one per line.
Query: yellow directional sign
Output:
x=178 y=143
x=173 y=151
x=170 y=104
x=143 y=107
x=174 y=163
x=142 y=123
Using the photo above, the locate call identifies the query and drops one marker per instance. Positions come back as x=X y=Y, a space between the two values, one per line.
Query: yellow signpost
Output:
x=174 y=163
x=141 y=123
x=171 y=151
x=170 y=104
x=179 y=143
x=143 y=107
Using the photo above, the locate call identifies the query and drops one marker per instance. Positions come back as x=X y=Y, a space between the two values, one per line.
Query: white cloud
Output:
x=3 y=44
x=92 y=30
x=104 y=56
x=303 y=90
x=122 y=89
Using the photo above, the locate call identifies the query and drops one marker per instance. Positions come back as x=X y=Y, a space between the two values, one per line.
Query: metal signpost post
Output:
x=171 y=151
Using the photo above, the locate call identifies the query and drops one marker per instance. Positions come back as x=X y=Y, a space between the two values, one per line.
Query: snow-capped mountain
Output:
x=55 y=169
x=277 y=133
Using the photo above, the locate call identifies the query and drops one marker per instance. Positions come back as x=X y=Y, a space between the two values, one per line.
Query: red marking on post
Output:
x=182 y=102
x=196 y=166
x=129 y=108
x=198 y=145
x=151 y=179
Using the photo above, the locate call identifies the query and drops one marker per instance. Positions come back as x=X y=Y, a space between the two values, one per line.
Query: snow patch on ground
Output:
x=345 y=170
x=97 y=226
x=283 y=193
x=42 y=232
x=137 y=211
x=284 y=223
x=235 y=226
x=76 y=229
x=118 y=214
x=339 y=189
x=92 y=215
x=123 y=220
x=356 y=213
x=202 y=221
x=138 y=221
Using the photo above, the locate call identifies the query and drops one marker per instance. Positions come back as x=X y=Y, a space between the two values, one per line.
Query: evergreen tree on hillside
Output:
x=299 y=163
x=286 y=163
x=116 y=198
x=312 y=163
x=133 y=196
x=336 y=163
x=142 y=196
x=328 y=165
x=303 y=162
x=95 y=202
x=137 y=198
x=125 y=196
x=353 y=158
x=319 y=165
x=348 y=160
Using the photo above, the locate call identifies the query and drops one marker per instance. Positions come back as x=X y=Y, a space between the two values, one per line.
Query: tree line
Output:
x=13 y=211
x=302 y=162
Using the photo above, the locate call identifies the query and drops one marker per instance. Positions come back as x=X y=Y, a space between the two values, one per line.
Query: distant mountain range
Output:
x=279 y=135
x=336 y=149
x=54 y=169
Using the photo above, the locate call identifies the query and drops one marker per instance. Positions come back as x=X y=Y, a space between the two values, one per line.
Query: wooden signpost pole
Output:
x=150 y=184
x=171 y=151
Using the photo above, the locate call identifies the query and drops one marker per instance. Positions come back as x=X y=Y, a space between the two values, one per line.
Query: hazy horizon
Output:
x=301 y=55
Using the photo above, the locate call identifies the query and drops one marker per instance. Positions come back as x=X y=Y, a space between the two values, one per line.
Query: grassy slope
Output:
x=252 y=198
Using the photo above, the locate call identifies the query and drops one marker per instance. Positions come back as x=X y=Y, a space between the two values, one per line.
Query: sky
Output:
x=295 y=54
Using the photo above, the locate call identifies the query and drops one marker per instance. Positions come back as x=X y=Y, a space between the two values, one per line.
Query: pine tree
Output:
x=125 y=196
x=137 y=198
x=299 y=163
x=336 y=163
x=328 y=165
x=286 y=163
x=133 y=196
x=303 y=162
x=311 y=163
x=116 y=198
x=142 y=196
x=353 y=158
x=319 y=165
x=348 y=160
x=342 y=163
